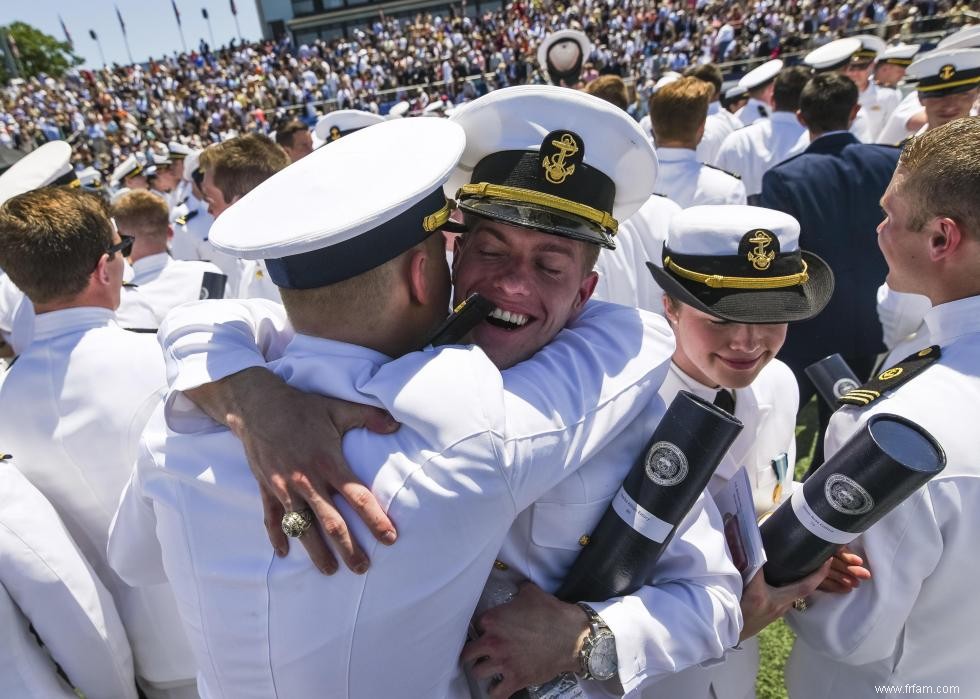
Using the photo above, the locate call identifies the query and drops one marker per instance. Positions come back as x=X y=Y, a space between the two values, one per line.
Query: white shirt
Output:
x=161 y=284
x=453 y=478
x=71 y=410
x=894 y=130
x=687 y=182
x=45 y=583
x=623 y=274
x=753 y=111
x=767 y=409
x=716 y=127
x=256 y=283
x=901 y=314
x=878 y=103
x=754 y=150
x=915 y=621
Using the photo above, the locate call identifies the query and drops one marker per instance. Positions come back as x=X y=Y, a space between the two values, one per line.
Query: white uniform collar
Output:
x=150 y=263
x=676 y=374
x=714 y=107
x=70 y=320
x=314 y=363
x=674 y=155
x=953 y=319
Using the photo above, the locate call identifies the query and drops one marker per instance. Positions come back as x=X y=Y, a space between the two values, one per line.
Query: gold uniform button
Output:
x=584 y=540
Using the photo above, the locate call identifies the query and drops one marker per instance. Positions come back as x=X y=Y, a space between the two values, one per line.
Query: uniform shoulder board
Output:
x=6 y=457
x=891 y=378
x=191 y=215
x=142 y=330
x=715 y=167
x=762 y=110
x=181 y=220
x=183 y=201
x=130 y=285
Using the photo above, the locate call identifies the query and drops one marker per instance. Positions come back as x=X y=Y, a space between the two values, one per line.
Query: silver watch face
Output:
x=602 y=660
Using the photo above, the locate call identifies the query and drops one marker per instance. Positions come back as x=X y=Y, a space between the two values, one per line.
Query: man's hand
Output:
x=762 y=604
x=293 y=443
x=846 y=572
x=532 y=639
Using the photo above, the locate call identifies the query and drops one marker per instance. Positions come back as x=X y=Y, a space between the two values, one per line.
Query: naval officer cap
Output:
x=757 y=77
x=399 y=110
x=945 y=72
x=871 y=46
x=834 y=55
x=130 y=167
x=735 y=92
x=742 y=264
x=552 y=159
x=562 y=53
x=965 y=38
x=899 y=55
x=352 y=205
x=178 y=151
x=341 y=122
x=47 y=166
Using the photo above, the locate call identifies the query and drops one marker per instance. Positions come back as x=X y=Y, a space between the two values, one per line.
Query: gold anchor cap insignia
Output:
x=947 y=71
x=334 y=133
x=760 y=254
x=561 y=153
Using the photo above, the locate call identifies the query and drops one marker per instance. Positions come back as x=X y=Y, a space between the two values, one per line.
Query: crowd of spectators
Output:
x=207 y=95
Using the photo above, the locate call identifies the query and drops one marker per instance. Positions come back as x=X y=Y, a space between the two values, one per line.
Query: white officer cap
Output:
x=965 y=38
x=341 y=122
x=899 y=55
x=553 y=159
x=742 y=263
x=130 y=167
x=192 y=163
x=160 y=159
x=562 y=54
x=666 y=79
x=757 y=77
x=434 y=108
x=834 y=55
x=49 y=165
x=178 y=150
x=90 y=177
x=871 y=46
x=399 y=110
x=353 y=205
x=945 y=72
x=734 y=92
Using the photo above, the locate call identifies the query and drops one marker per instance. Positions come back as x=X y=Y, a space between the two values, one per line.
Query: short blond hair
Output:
x=943 y=167
x=610 y=88
x=678 y=109
x=142 y=213
x=241 y=164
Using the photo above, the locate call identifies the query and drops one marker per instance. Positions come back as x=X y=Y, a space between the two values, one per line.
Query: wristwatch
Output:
x=598 y=655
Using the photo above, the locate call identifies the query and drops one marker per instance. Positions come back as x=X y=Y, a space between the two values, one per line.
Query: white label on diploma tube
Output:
x=646 y=523
x=816 y=526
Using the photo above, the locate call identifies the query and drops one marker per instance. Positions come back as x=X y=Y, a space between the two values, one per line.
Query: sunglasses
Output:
x=125 y=246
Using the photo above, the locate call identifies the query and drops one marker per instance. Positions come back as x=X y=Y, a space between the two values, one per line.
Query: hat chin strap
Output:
x=718 y=281
x=529 y=196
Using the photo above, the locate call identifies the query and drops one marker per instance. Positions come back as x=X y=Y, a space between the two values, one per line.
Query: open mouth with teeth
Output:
x=507 y=320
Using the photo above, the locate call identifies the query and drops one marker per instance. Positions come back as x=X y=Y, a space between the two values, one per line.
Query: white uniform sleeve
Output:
x=900 y=314
x=738 y=195
x=71 y=611
x=209 y=340
x=688 y=613
x=884 y=603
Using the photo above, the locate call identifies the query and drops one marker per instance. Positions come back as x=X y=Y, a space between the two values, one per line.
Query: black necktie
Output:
x=725 y=400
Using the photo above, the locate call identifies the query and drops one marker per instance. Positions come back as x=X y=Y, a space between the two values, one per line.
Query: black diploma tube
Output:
x=659 y=491
x=832 y=378
x=873 y=473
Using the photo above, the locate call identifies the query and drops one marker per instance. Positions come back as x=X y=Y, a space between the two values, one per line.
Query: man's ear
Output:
x=585 y=291
x=945 y=238
x=170 y=233
x=101 y=272
x=854 y=112
x=799 y=118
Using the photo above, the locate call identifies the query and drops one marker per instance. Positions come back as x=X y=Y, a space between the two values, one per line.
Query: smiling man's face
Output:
x=537 y=281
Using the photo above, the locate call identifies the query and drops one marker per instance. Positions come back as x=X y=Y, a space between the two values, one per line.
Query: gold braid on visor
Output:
x=945 y=86
x=529 y=196
x=438 y=219
x=717 y=281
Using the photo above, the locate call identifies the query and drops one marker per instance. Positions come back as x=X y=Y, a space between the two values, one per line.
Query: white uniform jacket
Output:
x=901 y=314
x=752 y=151
x=753 y=111
x=767 y=408
x=878 y=103
x=191 y=230
x=71 y=410
x=687 y=182
x=623 y=274
x=45 y=583
x=894 y=130
x=716 y=127
x=915 y=621
x=16 y=315
x=475 y=449
x=161 y=284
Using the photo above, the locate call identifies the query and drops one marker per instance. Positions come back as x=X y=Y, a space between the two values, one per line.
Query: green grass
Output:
x=776 y=641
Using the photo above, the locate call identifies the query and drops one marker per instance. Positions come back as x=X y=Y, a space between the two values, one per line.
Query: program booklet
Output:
x=737 y=509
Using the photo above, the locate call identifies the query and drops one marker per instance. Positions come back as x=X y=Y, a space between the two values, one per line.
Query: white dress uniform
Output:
x=191 y=230
x=752 y=111
x=915 y=622
x=752 y=151
x=877 y=104
x=901 y=314
x=47 y=585
x=161 y=284
x=767 y=408
x=453 y=478
x=256 y=284
x=71 y=410
x=623 y=274
x=687 y=182
x=894 y=130
x=16 y=315
x=716 y=127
